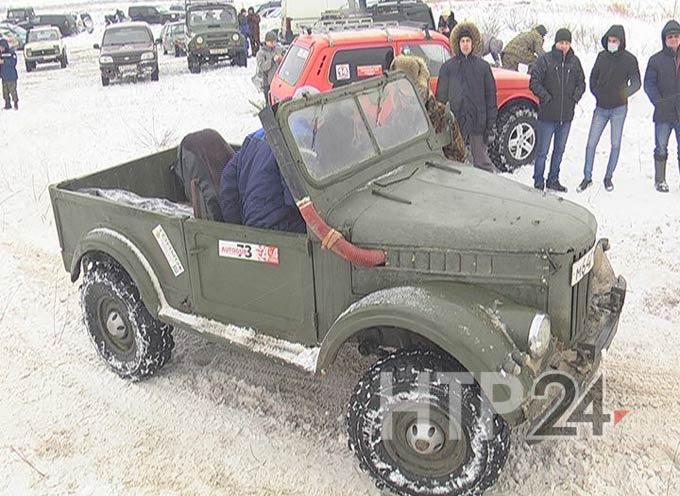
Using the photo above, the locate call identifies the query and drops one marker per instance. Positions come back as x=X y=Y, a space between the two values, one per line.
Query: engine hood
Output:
x=424 y=206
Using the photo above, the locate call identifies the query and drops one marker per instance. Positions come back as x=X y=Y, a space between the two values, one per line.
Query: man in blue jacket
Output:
x=253 y=192
x=662 y=85
x=8 y=74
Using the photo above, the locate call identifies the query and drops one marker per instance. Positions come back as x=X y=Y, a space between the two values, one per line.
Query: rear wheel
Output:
x=515 y=144
x=417 y=436
x=178 y=52
x=63 y=60
x=132 y=343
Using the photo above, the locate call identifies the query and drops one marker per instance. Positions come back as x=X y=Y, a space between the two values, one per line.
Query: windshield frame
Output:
x=123 y=27
x=203 y=8
x=34 y=32
x=354 y=92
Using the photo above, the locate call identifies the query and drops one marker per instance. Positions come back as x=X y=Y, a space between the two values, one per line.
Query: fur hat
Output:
x=470 y=30
x=417 y=71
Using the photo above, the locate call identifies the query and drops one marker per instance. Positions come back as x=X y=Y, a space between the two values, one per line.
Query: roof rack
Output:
x=204 y=3
x=350 y=23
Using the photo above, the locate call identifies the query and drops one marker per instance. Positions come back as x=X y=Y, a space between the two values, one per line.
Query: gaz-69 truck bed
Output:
x=468 y=286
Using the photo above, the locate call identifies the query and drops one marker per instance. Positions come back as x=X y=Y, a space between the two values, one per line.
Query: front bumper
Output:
x=46 y=59
x=582 y=361
x=129 y=71
x=223 y=51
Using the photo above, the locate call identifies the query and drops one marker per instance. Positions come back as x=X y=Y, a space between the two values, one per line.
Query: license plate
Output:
x=128 y=68
x=219 y=51
x=582 y=266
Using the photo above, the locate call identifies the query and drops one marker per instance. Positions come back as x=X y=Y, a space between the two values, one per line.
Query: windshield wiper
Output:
x=443 y=167
x=390 y=196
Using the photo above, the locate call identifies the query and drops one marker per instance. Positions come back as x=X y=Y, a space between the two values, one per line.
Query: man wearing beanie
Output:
x=467 y=84
x=662 y=85
x=614 y=78
x=267 y=61
x=525 y=48
x=558 y=80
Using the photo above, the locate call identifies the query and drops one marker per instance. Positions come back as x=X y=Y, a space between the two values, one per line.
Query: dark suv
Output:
x=128 y=52
x=152 y=15
x=67 y=23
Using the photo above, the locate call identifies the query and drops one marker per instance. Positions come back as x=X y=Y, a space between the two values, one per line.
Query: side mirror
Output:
x=96 y=46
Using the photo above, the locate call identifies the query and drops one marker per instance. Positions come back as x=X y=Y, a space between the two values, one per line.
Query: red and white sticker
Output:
x=248 y=251
x=364 y=71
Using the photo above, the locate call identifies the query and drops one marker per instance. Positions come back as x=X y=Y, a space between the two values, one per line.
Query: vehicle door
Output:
x=434 y=53
x=154 y=16
x=256 y=278
x=356 y=64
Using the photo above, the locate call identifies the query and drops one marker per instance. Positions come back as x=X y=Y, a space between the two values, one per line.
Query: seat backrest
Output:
x=201 y=157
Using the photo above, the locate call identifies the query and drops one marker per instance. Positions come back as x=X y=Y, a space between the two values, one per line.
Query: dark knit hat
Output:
x=465 y=33
x=541 y=30
x=563 y=35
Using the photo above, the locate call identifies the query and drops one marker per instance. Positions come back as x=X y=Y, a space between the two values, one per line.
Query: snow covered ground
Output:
x=220 y=421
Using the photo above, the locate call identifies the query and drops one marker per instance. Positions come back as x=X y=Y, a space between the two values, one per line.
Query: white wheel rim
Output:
x=522 y=141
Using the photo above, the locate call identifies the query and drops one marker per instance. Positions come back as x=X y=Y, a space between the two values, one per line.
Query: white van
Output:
x=299 y=14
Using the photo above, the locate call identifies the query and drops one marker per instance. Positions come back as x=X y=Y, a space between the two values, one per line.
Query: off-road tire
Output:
x=63 y=60
x=30 y=66
x=105 y=81
x=155 y=75
x=478 y=457
x=242 y=59
x=109 y=298
x=522 y=114
x=178 y=52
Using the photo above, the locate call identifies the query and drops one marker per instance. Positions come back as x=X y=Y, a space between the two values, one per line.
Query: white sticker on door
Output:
x=168 y=250
x=342 y=72
x=248 y=251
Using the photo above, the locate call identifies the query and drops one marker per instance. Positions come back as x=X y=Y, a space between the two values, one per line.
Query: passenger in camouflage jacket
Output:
x=525 y=48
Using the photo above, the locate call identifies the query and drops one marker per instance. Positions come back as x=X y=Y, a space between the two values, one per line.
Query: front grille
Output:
x=127 y=59
x=580 y=296
x=44 y=53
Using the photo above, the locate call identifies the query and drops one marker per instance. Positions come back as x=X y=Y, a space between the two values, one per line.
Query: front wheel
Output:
x=194 y=65
x=64 y=60
x=132 y=343
x=30 y=66
x=515 y=145
x=105 y=81
x=402 y=428
x=155 y=75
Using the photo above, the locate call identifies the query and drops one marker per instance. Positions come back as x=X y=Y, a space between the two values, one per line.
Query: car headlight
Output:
x=105 y=59
x=147 y=56
x=199 y=40
x=235 y=37
x=539 y=335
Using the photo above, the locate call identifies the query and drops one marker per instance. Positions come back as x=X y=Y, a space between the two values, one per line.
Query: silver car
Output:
x=172 y=38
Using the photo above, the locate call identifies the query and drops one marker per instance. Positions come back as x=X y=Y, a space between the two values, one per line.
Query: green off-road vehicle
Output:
x=439 y=268
x=213 y=34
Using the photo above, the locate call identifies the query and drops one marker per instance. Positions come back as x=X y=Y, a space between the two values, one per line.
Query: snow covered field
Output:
x=220 y=421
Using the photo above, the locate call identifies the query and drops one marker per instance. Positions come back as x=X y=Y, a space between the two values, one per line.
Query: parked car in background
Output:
x=20 y=15
x=11 y=38
x=332 y=59
x=180 y=9
x=17 y=31
x=152 y=14
x=66 y=23
x=172 y=38
x=267 y=5
x=45 y=45
x=128 y=52
x=88 y=23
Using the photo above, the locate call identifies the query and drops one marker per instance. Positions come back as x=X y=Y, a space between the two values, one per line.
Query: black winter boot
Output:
x=8 y=104
x=660 y=175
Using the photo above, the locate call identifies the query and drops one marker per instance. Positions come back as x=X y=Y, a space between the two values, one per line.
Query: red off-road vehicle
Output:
x=329 y=60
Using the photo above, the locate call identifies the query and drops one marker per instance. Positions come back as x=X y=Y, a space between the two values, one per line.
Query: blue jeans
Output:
x=546 y=130
x=616 y=117
x=662 y=135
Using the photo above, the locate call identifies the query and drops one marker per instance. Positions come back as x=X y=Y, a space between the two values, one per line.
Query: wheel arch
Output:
x=104 y=242
x=516 y=102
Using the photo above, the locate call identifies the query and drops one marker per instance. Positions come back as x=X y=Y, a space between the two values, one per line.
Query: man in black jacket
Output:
x=662 y=85
x=557 y=79
x=467 y=84
x=614 y=78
